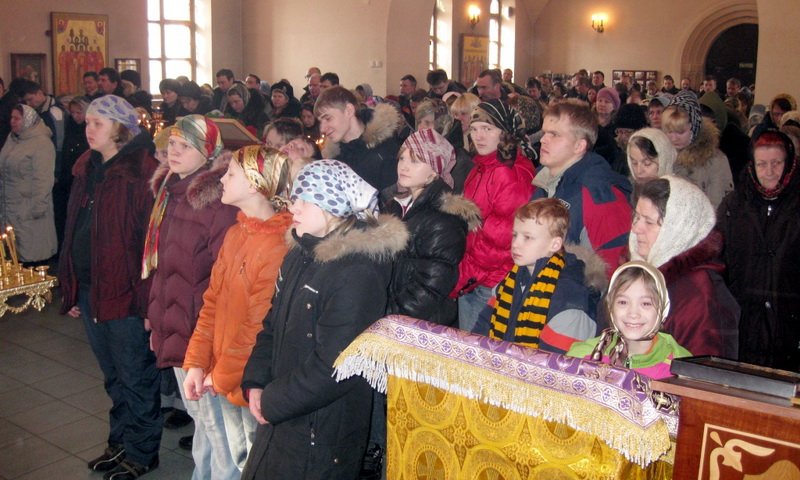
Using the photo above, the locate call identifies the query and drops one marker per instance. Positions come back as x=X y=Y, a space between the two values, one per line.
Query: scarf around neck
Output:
x=535 y=308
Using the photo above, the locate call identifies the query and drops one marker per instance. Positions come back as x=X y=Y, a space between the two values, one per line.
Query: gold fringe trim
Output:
x=374 y=357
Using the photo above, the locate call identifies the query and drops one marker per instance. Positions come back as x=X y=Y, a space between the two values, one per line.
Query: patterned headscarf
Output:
x=201 y=133
x=29 y=117
x=502 y=116
x=619 y=350
x=687 y=101
x=336 y=188
x=266 y=169
x=241 y=90
x=116 y=109
x=432 y=148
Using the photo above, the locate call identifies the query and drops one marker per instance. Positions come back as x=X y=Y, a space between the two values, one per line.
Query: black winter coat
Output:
x=762 y=252
x=328 y=291
x=427 y=271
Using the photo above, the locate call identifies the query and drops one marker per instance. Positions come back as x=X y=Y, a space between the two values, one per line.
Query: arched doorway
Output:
x=734 y=54
x=708 y=29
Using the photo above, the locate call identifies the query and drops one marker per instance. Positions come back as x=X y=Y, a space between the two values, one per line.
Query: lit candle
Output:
x=12 y=245
x=2 y=256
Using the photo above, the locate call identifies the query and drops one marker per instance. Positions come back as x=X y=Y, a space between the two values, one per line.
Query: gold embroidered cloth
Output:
x=466 y=406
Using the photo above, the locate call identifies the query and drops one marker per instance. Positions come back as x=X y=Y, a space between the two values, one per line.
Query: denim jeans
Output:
x=470 y=305
x=240 y=427
x=122 y=349
x=212 y=456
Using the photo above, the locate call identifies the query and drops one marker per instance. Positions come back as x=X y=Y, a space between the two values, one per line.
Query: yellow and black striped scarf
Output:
x=533 y=314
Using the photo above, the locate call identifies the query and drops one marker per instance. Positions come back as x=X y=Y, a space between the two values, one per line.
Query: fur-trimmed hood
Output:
x=380 y=242
x=204 y=189
x=595 y=267
x=461 y=207
x=702 y=149
x=380 y=124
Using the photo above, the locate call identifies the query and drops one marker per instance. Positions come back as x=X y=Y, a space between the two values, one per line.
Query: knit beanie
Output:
x=116 y=109
x=686 y=100
x=265 y=168
x=664 y=148
x=611 y=95
x=201 y=133
x=630 y=116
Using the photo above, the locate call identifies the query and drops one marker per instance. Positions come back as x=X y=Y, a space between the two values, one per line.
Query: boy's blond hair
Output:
x=549 y=210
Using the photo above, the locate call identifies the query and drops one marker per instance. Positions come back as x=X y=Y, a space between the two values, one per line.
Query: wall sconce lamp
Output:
x=598 y=22
x=474 y=13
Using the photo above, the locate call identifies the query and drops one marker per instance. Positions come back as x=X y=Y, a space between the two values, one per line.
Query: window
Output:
x=171 y=40
x=494 y=34
x=433 y=39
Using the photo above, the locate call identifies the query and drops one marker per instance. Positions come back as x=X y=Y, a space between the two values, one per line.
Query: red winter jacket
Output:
x=122 y=204
x=191 y=234
x=498 y=190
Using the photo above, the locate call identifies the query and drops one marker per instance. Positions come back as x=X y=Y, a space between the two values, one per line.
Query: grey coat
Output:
x=27 y=165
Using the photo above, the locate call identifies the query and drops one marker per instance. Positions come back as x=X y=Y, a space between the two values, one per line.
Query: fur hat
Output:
x=283 y=87
x=630 y=116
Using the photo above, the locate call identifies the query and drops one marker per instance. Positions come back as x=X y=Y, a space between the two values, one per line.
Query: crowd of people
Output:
x=627 y=224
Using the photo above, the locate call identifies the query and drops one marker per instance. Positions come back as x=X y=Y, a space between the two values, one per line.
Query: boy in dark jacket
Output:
x=544 y=301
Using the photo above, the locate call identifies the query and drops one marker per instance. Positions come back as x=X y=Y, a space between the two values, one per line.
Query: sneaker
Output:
x=129 y=470
x=109 y=459
x=186 y=442
x=177 y=419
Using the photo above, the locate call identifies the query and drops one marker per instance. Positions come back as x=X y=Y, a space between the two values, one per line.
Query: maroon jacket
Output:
x=122 y=204
x=191 y=234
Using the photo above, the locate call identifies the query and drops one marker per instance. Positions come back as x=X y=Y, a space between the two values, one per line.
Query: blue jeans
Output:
x=122 y=349
x=470 y=306
x=212 y=456
x=240 y=428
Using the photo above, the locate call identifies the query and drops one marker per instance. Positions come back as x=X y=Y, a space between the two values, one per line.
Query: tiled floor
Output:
x=53 y=409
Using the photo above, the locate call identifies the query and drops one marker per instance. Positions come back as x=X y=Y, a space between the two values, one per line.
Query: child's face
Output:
x=635 y=313
x=531 y=240
x=236 y=189
x=307 y=218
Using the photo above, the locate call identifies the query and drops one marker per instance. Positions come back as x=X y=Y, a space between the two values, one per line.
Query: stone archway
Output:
x=707 y=30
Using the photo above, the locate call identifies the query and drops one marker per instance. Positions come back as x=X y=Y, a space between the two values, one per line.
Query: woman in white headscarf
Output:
x=27 y=165
x=672 y=230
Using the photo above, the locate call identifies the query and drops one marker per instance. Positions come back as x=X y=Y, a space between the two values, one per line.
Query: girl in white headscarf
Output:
x=638 y=303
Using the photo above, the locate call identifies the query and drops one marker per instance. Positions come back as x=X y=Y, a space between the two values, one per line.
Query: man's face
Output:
x=560 y=147
x=732 y=89
x=439 y=89
x=685 y=84
x=35 y=100
x=224 y=83
x=106 y=85
x=668 y=84
x=534 y=91
x=597 y=79
x=709 y=85
x=334 y=123
x=251 y=82
x=654 y=111
x=314 y=86
x=488 y=90
x=508 y=75
x=90 y=85
x=582 y=89
x=325 y=84
x=407 y=88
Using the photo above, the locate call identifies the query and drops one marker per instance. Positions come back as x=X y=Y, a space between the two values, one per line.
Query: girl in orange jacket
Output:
x=240 y=292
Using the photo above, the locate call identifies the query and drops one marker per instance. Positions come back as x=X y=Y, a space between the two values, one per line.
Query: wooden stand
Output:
x=728 y=433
